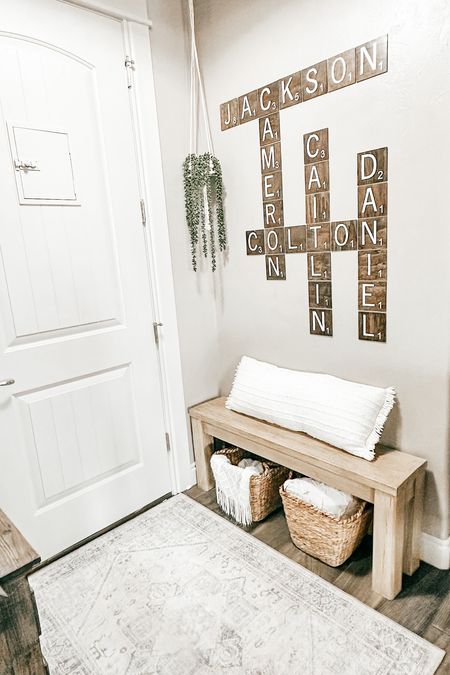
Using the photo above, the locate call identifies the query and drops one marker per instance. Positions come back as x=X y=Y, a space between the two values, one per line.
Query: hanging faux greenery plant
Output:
x=203 y=198
x=202 y=177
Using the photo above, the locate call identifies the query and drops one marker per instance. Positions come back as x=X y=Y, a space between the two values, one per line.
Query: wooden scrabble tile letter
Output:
x=372 y=296
x=273 y=213
x=272 y=186
x=372 y=200
x=275 y=267
x=344 y=236
x=319 y=266
x=229 y=114
x=295 y=239
x=318 y=237
x=372 y=58
x=268 y=99
x=290 y=90
x=315 y=146
x=255 y=242
x=372 y=166
x=321 y=322
x=270 y=158
x=314 y=81
x=320 y=294
x=372 y=326
x=372 y=265
x=274 y=240
x=372 y=233
x=341 y=70
x=248 y=106
x=269 y=129
x=317 y=177
x=318 y=207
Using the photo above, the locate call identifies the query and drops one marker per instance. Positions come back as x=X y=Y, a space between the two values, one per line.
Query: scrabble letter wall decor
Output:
x=321 y=234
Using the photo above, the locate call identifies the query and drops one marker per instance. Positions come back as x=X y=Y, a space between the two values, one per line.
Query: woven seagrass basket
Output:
x=321 y=535
x=264 y=488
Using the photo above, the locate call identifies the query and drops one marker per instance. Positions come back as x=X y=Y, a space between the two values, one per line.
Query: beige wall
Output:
x=248 y=43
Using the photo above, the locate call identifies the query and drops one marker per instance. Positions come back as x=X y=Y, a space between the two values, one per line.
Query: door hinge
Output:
x=143 y=213
x=168 y=448
x=129 y=65
x=156 y=326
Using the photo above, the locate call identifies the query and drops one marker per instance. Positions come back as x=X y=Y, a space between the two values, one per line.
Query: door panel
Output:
x=82 y=426
x=59 y=264
x=80 y=431
x=51 y=181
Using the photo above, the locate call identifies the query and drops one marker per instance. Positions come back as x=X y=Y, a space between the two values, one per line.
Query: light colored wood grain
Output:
x=388 y=537
x=203 y=449
x=413 y=526
x=388 y=472
x=294 y=461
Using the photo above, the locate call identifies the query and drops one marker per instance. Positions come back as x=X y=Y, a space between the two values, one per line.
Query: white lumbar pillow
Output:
x=345 y=414
x=324 y=497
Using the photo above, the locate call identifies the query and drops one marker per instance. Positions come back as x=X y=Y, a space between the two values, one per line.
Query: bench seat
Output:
x=393 y=482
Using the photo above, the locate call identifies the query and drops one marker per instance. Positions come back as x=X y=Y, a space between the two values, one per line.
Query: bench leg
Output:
x=203 y=449
x=413 y=526
x=388 y=538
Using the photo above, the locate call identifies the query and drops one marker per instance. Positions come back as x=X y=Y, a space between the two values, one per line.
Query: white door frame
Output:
x=101 y=8
x=156 y=234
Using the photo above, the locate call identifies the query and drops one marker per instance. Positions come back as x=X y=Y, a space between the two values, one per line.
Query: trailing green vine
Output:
x=203 y=198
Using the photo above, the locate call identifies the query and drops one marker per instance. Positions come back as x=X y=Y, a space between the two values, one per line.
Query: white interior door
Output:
x=82 y=432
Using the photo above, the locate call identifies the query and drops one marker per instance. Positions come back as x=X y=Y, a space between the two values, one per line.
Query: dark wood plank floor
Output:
x=423 y=606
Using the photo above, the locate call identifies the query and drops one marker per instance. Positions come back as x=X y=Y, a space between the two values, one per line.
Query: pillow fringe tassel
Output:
x=382 y=416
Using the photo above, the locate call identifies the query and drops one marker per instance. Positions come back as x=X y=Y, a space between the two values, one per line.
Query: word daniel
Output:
x=320 y=236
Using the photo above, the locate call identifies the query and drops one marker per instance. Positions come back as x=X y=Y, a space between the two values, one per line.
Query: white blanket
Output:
x=233 y=486
x=323 y=497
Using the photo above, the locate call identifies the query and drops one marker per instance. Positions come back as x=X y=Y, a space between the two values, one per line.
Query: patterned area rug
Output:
x=178 y=591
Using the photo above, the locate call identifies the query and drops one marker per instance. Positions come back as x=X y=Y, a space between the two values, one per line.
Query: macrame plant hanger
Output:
x=197 y=81
x=202 y=173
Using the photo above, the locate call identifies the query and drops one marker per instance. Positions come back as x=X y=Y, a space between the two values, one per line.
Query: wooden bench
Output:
x=20 y=649
x=393 y=482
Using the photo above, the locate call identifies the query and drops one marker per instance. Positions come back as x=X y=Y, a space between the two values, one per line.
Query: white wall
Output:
x=245 y=44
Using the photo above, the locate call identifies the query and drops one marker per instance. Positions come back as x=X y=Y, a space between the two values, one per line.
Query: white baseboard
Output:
x=193 y=475
x=435 y=551
x=187 y=479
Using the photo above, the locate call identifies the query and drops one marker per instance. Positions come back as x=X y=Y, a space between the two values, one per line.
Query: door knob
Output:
x=6 y=383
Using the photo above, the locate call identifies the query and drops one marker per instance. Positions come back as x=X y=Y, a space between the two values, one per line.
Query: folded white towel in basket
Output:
x=323 y=497
x=233 y=486
x=253 y=463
